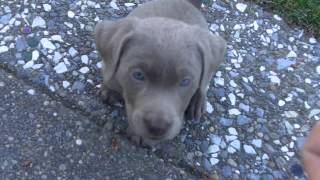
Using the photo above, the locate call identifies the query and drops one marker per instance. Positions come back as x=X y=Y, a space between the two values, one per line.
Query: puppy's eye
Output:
x=184 y=82
x=138 y=75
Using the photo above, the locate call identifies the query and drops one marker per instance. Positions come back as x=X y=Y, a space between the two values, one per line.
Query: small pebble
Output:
x=234 y=112
x=312 y=40
x=114 y=5
x=292 y=54
x=65 y=84
x=73 y=52
x=71 y=14
x=281 y=103
x=31 y=91
x=56 y=38
x=249 y=149
x=308 y=81
x=241 y=7
x=78 y=142
x=47 y=7
x=3 y=49
x=214 y=161
x=29 y=64
x=318 y=69
x=257 y=143
x=60 y=68
x=276 y=17
x=84 y=59
x=236 y=144
x=39 y=22
x=209 y=108
x=213 y=149
x=46 y=43
x=232 y=131
x=99 y=64
x=84 y=70
x=35 y=55
x=232 y=99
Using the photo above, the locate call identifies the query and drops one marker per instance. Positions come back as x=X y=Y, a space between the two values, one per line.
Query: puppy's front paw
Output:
x=109 y=96
x=134 y=138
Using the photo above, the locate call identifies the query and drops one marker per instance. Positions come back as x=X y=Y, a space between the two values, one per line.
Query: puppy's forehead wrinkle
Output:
x=167 y=33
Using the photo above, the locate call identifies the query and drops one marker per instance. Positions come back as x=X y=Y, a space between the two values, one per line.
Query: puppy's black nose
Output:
x=156 y=126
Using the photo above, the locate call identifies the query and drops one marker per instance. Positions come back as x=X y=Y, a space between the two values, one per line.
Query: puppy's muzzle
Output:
x=156 y=124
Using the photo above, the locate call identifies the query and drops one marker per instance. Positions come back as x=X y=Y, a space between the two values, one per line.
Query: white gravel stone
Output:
x=249 y=149
x=257 y=143
x=114 y=5
x=47 y=7
x=213 y=149
x=232 y=83
x=291 y=54
x=231 y=149
x=308 y=81
x=312 y=40
x=29 y=64
x=234 y=112
x=73 y=52
x=78 y=142
x=236 y=27
x=284 y=149
x=314 y=112
x=35 y=55
x=262 y=68
x=37 y=66
x=276 y=17
x=241 y=7
x=84 y=59
x=57 y=56
x=129 y=4
x=3 y=49
x=61 y=68
x=222 y=28
x=232 y=131
x=31 y=91
x=281 y=103
x=274 y=79
x=289 y=127
x=269 y=31
x=214 y=161
x=214 y=27
x=291 y=114
x=255 y=25
x=46 y=43
x=209 y=108
x=232 y=99
x=99 y=64
x=39 y=22
x=236 y=144
x=84 y=70
x=57 y=38
x=219 y=81
x=265 y=157
x=296 y=126
x=71 y=14
x=65 y=84
x=318 y=69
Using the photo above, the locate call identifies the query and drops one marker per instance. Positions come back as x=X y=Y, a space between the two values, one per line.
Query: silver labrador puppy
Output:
x=159 y=59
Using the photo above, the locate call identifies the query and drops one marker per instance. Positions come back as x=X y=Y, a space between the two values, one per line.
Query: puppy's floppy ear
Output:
x=212 y=49
x=110 y=38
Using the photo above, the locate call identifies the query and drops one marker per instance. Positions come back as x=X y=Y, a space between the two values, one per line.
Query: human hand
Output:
x=311 y=153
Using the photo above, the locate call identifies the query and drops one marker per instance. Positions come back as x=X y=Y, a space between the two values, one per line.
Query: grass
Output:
x=305 y=13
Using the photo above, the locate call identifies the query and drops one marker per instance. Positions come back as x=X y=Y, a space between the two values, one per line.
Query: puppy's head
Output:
x=163 y=67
